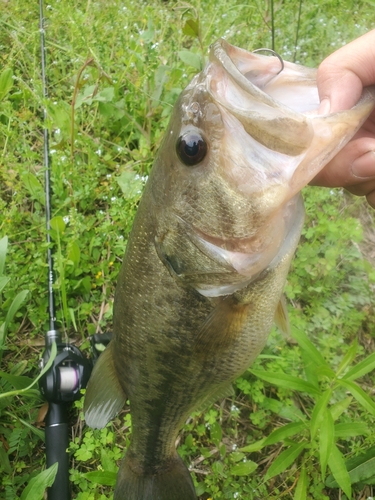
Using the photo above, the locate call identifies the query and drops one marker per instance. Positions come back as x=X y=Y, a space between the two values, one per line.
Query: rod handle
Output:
x=57 y=442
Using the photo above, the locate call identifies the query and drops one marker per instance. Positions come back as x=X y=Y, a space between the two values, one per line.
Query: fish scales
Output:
x=209 y=252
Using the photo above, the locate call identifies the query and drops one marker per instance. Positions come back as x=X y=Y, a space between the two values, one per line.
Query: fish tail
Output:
x=169 y=482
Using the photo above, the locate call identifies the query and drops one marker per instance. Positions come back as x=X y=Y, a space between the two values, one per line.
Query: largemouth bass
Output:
x=209 y=253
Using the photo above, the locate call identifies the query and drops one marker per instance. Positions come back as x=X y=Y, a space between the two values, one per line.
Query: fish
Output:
x=202 y=278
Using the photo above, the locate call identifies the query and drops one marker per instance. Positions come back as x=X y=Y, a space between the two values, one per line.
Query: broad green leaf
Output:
x=191 y=28
x=191 y=59
x=292 y=413
x=3 y=253
x=107 y=461
x=286 y=381
x=338 y=408
x=348 y=358
x=360 y=469
x=18 y=381
x=34 y=187
x=351 y=429
x=284 y=432
x=243 y=468
x=325 y=440
x=13 y=308
x=34 y=430
x=306 y=345
x=45 y=369
x=6 y=82
x=4 y=459
x=149 y=34
x=104 y=477
x=85 y=96
x=19 y=368
x=285 y=459
x=37 y=486
x=359 y=394
x=251 y=448
x=105 y=95
x=200 y=489
x=159 y=80
x=325 y=371
x=57 y=224
x=236 y=456
x=15 y=305
x=130 y=184
x=60 y=115
x=301 y=488
x=362 y=368
x=3 y=282
x=73 y=318
x=319 y=412
x=85 y=283
x=310 y=368
x=337 y=465
x=74 y=253
x=216 y=433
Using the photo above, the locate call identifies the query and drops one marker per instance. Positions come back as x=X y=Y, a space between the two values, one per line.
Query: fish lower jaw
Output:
x=246 y=256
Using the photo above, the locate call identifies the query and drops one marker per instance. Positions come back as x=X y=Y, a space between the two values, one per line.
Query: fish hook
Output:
x=274 y=53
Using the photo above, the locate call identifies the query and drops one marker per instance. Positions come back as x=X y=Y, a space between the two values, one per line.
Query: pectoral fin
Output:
x=282 y=320
x=104 y=395
x=222 y=327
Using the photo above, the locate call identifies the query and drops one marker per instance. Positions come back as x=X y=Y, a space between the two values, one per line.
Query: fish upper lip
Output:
x=219 y=50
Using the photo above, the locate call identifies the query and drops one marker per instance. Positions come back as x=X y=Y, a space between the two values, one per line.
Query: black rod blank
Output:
x=46 y=162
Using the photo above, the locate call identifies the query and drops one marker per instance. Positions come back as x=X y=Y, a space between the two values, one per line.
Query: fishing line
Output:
x=272 y=26
x=297 y=31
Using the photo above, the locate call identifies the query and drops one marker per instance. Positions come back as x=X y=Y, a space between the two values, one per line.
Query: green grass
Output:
x=124 y=64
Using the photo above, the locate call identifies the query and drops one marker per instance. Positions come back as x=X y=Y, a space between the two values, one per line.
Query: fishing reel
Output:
x=60 y=385
x=69 y=373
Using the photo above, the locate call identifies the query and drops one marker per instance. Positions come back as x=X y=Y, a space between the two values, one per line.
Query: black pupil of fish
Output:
x=191 y=149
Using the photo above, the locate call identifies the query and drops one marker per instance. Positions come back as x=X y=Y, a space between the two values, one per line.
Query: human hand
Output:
x=341 y=78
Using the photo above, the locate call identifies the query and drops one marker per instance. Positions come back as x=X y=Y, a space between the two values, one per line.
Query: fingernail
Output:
x=324 y=107
x=364 y=166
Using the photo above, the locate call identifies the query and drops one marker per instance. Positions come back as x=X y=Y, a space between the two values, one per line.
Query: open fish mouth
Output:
x=268 y=80
x=283 y=139
x=244 y=140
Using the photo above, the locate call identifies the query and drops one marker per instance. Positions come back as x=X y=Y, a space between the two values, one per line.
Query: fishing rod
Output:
x=70 y=370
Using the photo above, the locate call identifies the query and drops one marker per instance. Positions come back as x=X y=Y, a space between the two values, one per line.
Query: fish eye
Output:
x=191 y=148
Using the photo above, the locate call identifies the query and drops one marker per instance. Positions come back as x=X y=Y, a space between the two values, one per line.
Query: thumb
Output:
x=342 y=75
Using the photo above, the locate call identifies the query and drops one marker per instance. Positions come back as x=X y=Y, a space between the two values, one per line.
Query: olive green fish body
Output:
x=209 y=253
x=188 y=348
